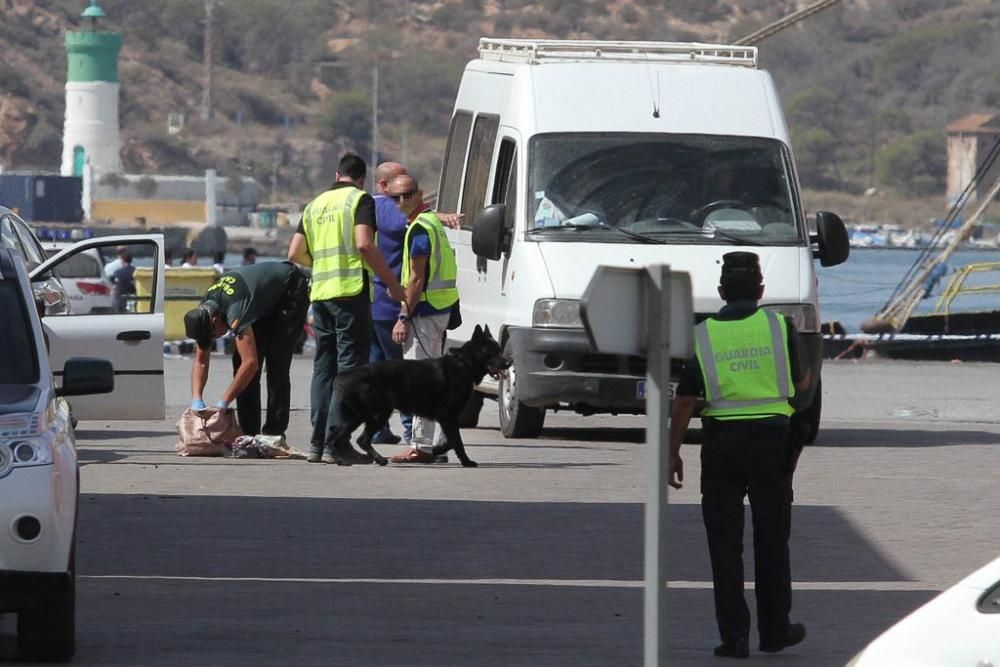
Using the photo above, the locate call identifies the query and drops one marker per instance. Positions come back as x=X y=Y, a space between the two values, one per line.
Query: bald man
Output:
x=391 y=222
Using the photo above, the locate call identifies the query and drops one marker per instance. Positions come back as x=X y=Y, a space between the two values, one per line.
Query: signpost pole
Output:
x=657 y=304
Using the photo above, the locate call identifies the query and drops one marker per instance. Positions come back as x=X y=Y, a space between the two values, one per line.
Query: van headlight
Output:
x=557 y=313
x=802 y=315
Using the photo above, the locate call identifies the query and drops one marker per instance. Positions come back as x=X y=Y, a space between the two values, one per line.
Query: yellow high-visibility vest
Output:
x=440 y=291
x=328 y=221
x=745 y=365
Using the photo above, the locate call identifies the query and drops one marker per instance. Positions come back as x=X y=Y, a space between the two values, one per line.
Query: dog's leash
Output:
x=420 y=342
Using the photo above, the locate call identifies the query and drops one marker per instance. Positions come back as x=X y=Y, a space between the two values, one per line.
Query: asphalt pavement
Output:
x=535 y=557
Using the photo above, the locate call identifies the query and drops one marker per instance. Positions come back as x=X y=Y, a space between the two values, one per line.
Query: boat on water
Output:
x=947 y=333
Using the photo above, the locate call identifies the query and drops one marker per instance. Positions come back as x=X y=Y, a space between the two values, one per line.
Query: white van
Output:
x=565 y=155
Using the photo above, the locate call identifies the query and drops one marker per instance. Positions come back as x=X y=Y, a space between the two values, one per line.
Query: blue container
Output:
x=43 y=198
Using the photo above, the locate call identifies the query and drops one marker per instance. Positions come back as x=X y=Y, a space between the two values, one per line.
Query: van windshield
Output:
x=682 y=189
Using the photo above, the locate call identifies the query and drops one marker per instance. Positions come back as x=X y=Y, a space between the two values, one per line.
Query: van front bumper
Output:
x=557 y=368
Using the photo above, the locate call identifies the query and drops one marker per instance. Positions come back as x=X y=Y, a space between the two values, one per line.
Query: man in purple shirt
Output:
x=391 y=223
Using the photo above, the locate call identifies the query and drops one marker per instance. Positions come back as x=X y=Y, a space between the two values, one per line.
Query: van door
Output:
x=130 y=337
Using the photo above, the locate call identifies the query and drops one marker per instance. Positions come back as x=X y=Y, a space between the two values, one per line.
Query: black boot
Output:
x=792 y=635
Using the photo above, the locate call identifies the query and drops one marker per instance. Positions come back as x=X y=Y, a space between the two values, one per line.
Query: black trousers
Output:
x=277 y=335
x=738 y=459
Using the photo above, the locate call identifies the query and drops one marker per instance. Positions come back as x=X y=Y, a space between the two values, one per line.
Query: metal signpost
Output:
x=647 y=311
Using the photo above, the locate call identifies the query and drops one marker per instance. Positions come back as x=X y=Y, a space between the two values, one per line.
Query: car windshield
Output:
x=681 y=189
x=20 y=359
x=81 y=265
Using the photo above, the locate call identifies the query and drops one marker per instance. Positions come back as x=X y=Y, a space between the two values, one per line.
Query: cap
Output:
x=198 y=325
x=741 y=265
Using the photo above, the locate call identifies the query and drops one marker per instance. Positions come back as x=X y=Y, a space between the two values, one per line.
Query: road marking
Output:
x=571 y=583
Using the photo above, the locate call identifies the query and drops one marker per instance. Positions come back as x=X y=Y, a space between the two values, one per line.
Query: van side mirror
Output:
x=832 y=243
x=489 y=232
x=83 y=375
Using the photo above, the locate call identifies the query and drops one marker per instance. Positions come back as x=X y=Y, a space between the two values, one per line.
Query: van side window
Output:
x=477 y=173
x=454 y=161
x=501 y=179
x=510 y=196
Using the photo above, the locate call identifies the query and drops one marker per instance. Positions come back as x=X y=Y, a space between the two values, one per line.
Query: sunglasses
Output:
x=403 y=195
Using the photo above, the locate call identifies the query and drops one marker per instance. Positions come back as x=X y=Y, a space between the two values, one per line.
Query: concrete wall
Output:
x=175 y=199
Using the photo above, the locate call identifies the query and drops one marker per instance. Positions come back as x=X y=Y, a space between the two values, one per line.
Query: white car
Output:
x=39 y=477
x=959 y=628
x=83 y=278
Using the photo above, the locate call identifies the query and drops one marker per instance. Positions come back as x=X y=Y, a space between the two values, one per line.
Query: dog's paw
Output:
x=470 y=464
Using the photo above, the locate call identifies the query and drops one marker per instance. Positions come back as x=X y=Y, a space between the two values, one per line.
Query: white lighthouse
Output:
x=91 y=131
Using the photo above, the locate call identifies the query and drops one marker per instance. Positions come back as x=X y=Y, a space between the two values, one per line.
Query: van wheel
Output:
x=808 y=419
x=469 y=416
x=47 y=633
x=517 y=420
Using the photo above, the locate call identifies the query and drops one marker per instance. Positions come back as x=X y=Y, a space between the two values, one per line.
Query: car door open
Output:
x=131 y=337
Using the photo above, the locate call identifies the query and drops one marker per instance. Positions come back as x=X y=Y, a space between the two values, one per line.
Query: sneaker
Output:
x=793 y=634
x=385 y=437
x=315 y=455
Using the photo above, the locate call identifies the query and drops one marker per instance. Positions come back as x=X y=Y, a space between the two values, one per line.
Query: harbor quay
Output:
x=533 y=558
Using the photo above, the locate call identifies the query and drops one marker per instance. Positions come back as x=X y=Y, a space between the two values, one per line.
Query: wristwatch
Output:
x=404 y=318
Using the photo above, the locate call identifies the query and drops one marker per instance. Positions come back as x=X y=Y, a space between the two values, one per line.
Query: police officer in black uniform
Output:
x=264 y=305
x=746 y=368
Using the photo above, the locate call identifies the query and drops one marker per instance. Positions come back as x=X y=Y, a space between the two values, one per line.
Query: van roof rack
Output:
x=536 y=51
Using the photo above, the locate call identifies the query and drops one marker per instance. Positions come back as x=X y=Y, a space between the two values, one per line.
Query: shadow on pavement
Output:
x=899 y=437
x=277 y=618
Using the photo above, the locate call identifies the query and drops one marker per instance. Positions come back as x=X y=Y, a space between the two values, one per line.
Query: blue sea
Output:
x=859 y=288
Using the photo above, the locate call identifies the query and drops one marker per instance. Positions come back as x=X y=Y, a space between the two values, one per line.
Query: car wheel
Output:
x=517 y=420
x=808 y=419
x=469 y=416
x=47 y=633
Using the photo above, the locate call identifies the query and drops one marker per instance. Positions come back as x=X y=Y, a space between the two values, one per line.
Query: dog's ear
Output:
x=478 y=332
x=487 y=331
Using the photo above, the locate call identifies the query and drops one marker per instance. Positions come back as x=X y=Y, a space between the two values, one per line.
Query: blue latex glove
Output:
x=222 y=405
x=197 y=404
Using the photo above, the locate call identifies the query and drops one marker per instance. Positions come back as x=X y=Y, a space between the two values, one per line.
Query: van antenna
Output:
x=654 y=94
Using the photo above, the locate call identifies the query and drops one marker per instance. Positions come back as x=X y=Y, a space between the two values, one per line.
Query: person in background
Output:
x=264 y=305
x=336 y=237
x=249 y=255
x=429 y=275
x=218 y=262
x=115 y=264
x=747 y=367
x=123 y=282
x=190 y=259
x=168 y=257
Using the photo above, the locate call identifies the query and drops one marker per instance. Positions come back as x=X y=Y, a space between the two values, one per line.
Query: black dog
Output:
x=435 y=389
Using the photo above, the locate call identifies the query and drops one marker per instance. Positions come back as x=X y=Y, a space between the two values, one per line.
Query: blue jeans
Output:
x=383 y=347
x=343 y=331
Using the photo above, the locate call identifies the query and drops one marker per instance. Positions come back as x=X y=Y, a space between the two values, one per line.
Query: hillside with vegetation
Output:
x=868 y=86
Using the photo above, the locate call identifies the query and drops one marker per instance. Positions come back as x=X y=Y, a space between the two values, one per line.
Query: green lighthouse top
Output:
x=93 y=12
x=92 y=55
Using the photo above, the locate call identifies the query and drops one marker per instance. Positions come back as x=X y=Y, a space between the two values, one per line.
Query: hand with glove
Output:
x=222 y=405
x=197 y=404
